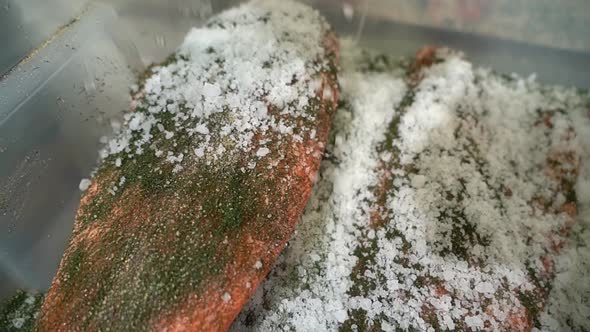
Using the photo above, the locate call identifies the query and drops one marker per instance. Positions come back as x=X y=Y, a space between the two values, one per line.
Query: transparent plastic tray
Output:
x=57 y=103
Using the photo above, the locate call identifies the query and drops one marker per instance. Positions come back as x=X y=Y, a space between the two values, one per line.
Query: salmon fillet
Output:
x=201 y=189
x=463 y=208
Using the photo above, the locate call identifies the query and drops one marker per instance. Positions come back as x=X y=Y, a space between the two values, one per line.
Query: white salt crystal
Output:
x=177 y=168
x=18 y=322
x=135 y=122
x=84 y=184
x=418 y=181
x=202 y=129
x=485 y=287
x=474 y=322
x=199 y=152
x=262 y=152
x=341 y=316
x=211 y=90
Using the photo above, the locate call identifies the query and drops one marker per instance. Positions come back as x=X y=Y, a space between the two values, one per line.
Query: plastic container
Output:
x=58 y=101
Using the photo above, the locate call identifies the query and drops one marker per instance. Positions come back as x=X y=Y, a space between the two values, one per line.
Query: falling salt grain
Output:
x=226 y=297
x=116 y=125
x=348 y=10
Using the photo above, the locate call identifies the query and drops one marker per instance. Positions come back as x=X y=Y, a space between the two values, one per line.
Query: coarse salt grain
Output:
x=262 y=152
x=84 y=184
